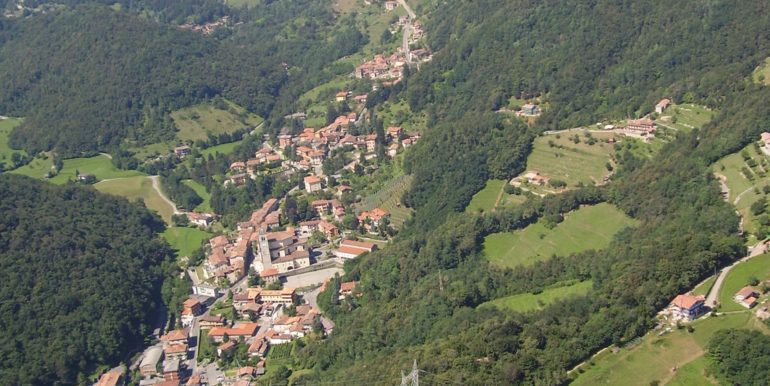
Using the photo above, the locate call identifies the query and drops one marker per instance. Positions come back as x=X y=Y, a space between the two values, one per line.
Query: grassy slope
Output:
x=739 y=276
x=100 y=166
x=654 y=357
x=574 y=162
x=6 y=125
x=38 y=168
x=134 y=188
x=742 y=189
x=226 y=148
x=185 y=240
x=486 y=198
x=590 y=227
x=205 y=206
x=763 y=70
x=198 y=121
x=531 y=302
x=703 y=288
x=688 y=117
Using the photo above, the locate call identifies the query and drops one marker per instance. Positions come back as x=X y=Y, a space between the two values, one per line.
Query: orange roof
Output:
x=175 y=335
x=350 y=250
x=176 y=349
x=687 y=301
x=190 y=303
x=110 y=378
x=358 y=244
x=348 y=286
x=746 y=292
x=269 y=272
x=312 y=180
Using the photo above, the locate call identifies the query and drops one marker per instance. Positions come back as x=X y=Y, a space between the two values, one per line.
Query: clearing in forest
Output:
x=6 y=125
x=654 y=357
x=100 y=166
x=197 y=122
x=185 y=240
x=134 y=188
x=590 y=227
x=493 y=196
x=531 y=301
x=572 y=157
x=757 y=268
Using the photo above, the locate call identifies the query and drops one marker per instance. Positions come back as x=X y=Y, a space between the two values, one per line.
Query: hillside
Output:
x=605 y=60
x=62 y=250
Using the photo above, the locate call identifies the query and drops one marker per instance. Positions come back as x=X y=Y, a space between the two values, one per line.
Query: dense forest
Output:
x=90 y=77
x=592 y=61
x=80 y=281
x=741 y=357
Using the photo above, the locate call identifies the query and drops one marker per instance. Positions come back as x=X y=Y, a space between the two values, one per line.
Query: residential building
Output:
x=200 y=219
x=284 y=296
x=205 y=289
x=391 y=5
x=747 y=296
x=530 y=109
x=240 y=331
x=270 y=275
x=171 y=370
x=765 y=139
x=296 y=260
x=346 y=288
x=114 y=377
x=687 y=306
x=312 y=184
x=182 y=151
x=176 y=351
x=210 y=321
x=371 y=220
x=341 y=96
x=350 y=249
x=644 y=125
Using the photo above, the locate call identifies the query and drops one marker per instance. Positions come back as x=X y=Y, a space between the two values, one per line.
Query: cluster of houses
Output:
x=531 y=177
x=207 y=28
x=382 y=67
x=688 y=307
x=248 y=169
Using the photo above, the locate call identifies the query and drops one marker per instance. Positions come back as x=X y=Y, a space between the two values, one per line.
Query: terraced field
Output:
x=389 y=198
x=558 y=157
x=590 y=227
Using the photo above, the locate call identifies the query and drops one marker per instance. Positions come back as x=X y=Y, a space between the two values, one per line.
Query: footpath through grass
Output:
x=185 y=240
x=531 y=302
x=590 y=227
x=99 y=166
x=134 y=188
x=757 y=267
x=654 y=357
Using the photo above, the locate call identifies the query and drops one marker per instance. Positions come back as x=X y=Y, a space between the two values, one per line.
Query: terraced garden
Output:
x=389 y=198
x=590 y=227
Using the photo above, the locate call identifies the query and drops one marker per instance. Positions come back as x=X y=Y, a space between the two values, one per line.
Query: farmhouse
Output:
x=747 y=297
x=341 y=96
x=200 y=219
x=372 y=219
x=662 y=105
x=346 y=288
x=530 y=109
x=644 y=125
x=182 y=151
x=350 y=249
x=687 y=306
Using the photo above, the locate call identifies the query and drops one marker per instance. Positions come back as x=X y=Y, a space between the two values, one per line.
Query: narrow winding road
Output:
x=156 y=186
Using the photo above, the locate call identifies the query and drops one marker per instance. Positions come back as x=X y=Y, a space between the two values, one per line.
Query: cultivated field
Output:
x=757 y=267
x=196 y=122
x=746 y=185
x=135 y=188
x=185 y=240
x=389 y=198
x=205 y=206
x=486 y=198
x=590 y=227
x=685 y=117
x=100 y=166
x=558 y=157
x=654 y=357
x=6 y=125
x=532 y=302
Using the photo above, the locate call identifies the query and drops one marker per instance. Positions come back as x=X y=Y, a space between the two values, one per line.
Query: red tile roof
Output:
x=687 y=301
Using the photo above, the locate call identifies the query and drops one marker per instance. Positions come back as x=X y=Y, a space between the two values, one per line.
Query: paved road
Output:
x=408 y=9
x=712 y=297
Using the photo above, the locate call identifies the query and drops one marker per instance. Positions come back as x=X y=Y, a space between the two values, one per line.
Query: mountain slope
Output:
x=80 y=278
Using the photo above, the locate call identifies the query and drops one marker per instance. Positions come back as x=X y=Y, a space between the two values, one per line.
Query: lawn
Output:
x=225 y=148
x=100 y=166
x=654 y=357
x=693 y=373
x=205 y=206
x=197 y=122
x=6 y=125
x=185 y=240
x=745 y=184
x=739 y=277
x=486 y=199
x=685 y=117
x=38 y=168
x=761 y=74
x=532 y=302
x=224 y=309
x=703 y=288
x=590 y=227
x=135 y=188
x=557 y=157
